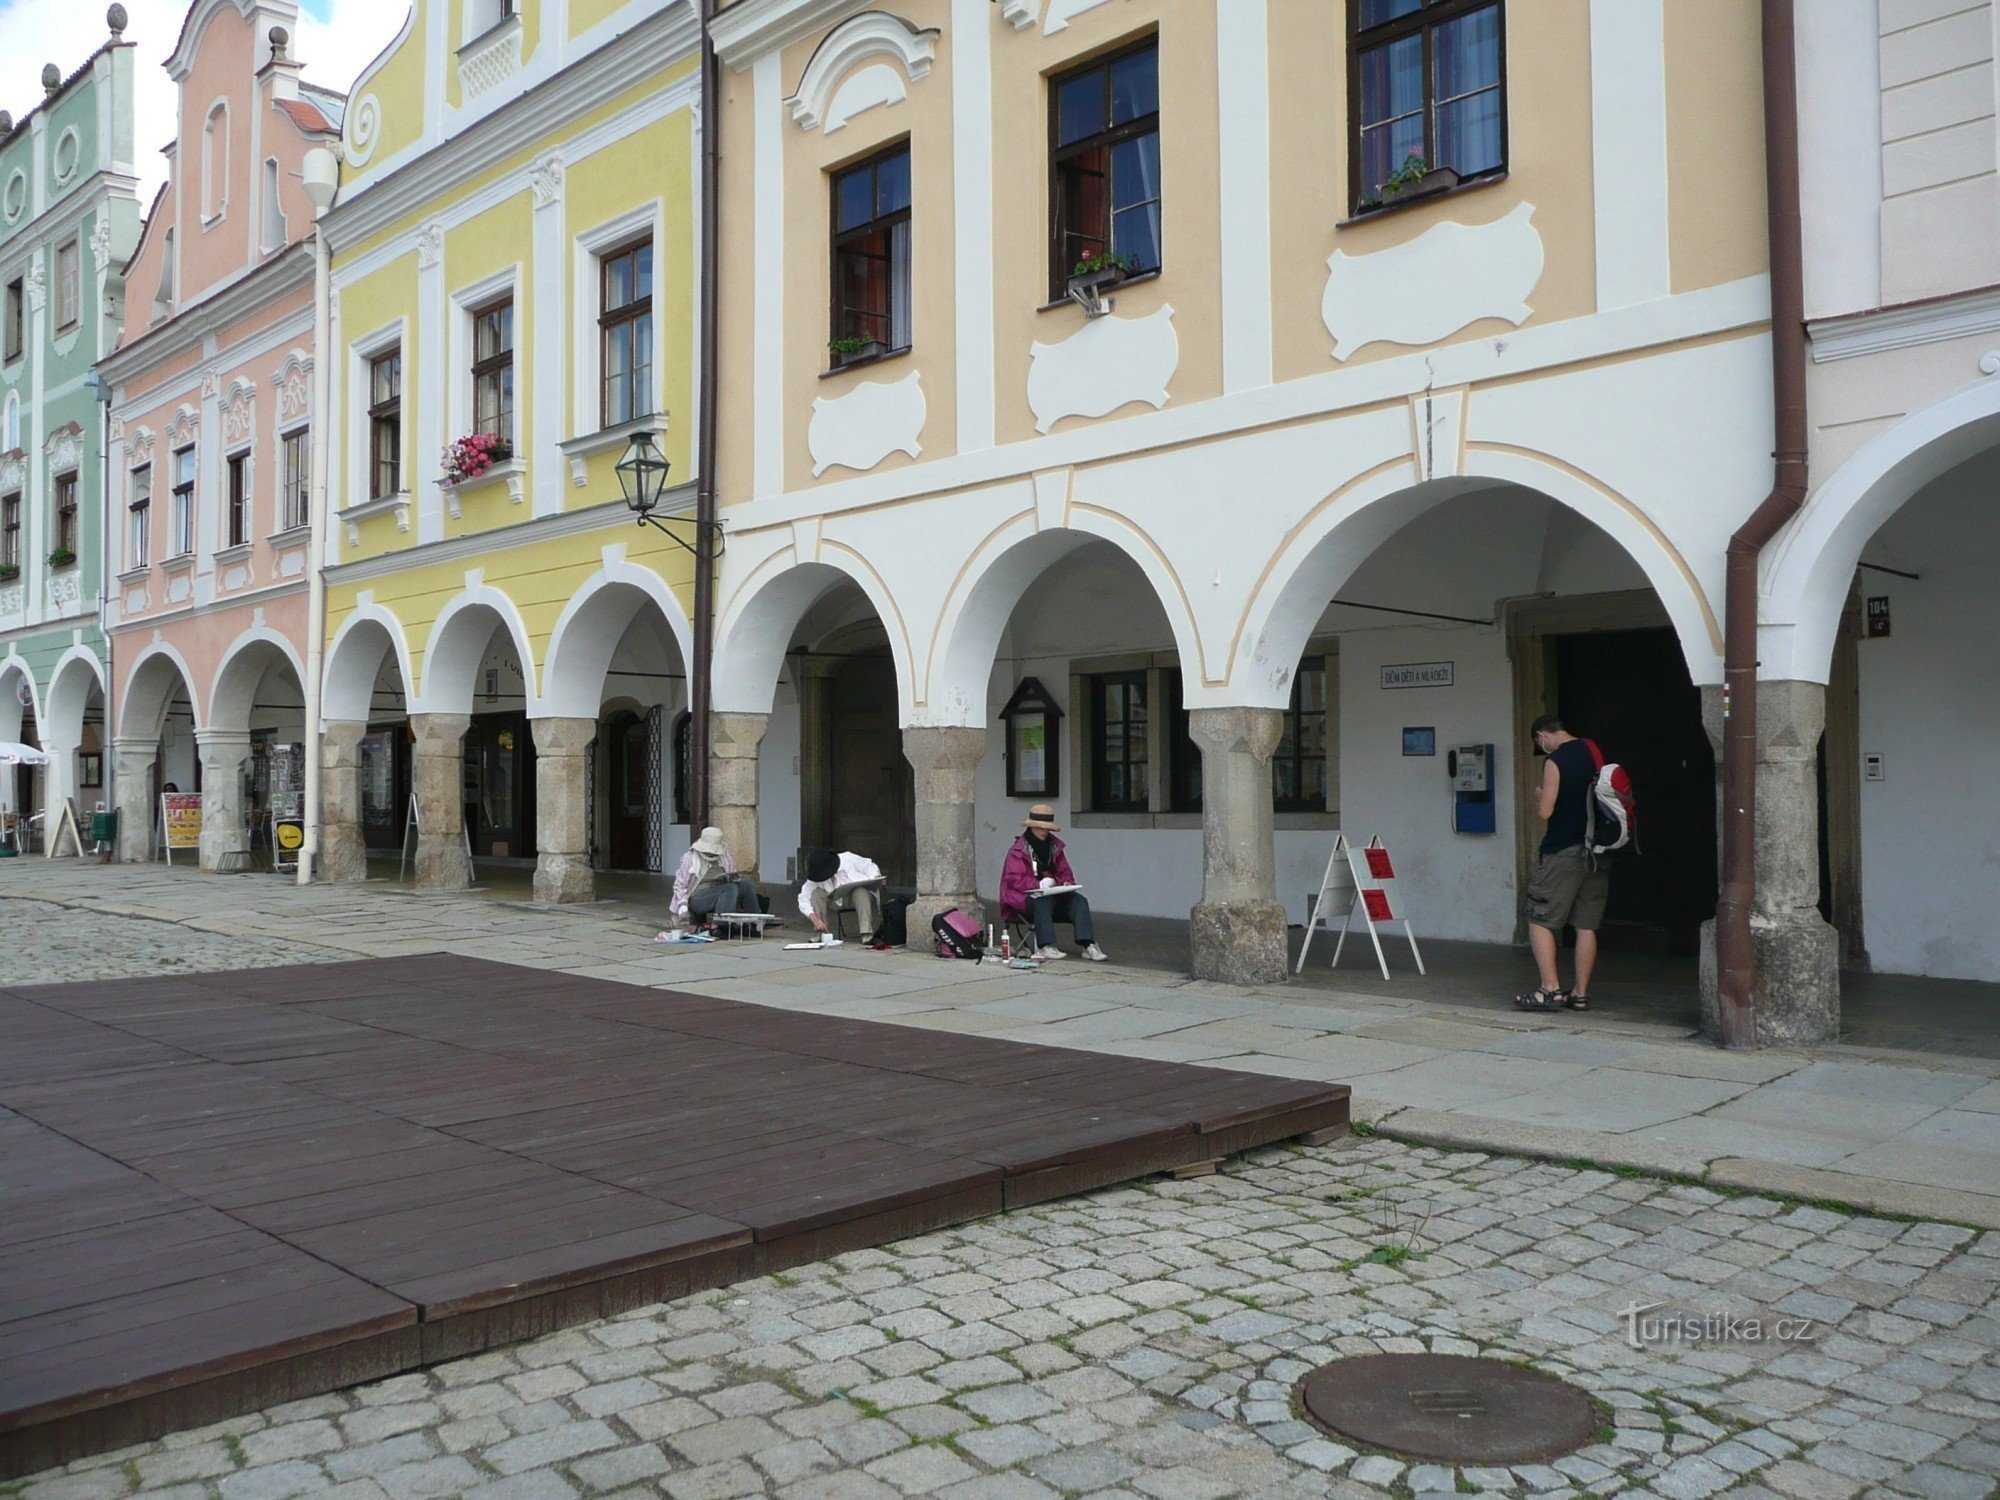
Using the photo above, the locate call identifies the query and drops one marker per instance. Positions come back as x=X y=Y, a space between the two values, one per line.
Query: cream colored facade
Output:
x=1537 y=404
x=500 y=647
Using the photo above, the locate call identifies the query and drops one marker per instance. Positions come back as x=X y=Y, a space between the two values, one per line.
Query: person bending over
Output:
x=841 y=881
x=1030 y=887
x=707 y=884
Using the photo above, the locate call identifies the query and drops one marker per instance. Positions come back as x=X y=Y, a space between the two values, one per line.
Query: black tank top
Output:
x=1567 y=824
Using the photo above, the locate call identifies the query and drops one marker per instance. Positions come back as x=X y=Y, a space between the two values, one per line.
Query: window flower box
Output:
x=470 y=457
x=9 y=572
x=62 y=557
x=855 y=350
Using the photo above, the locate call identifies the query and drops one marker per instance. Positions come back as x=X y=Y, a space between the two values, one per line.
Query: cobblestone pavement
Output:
x=1145 y=1341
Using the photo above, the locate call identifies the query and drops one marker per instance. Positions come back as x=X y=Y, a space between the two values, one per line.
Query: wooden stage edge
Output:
x=228 y=1191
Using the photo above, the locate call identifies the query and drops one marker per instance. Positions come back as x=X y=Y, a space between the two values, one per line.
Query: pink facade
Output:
x=210 y=444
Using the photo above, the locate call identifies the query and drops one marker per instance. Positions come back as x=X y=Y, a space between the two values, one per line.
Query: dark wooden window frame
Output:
x=10 y=529
x=1060 y=263
x=236 y=499
x=69 y=284
x=487 y=371
x=1100 y=802
x=296 y=478
x=183 y=506
x=612 y=320
x=1295 y=718
x=840 y=240
x=1426 y=18
x=385 y=428
x=140 y=509
x=17 y=319
x=64 y=488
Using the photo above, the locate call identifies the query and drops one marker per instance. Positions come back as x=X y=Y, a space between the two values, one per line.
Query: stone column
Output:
x=225 y=841
x=562 y=809
x=438 y=770
x=343 y=852
x=732 y=784
x=132 y=763
x=1797 y=979
x=1237 y=933
x=946 y=760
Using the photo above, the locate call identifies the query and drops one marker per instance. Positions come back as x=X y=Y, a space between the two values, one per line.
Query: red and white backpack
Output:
x=1612 y=813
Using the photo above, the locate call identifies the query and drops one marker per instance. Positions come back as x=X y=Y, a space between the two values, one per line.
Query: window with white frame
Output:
x=10 y=533
x=385 y=423
x=65 y=507
x=493 y=369
x=139 y=543
x=625 y=332
x=69 y=290
x=181 y=513
x=236 y=515
x=297 y=480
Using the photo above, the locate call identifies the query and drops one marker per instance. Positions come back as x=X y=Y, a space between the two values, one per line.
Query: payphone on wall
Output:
x=1470 y=768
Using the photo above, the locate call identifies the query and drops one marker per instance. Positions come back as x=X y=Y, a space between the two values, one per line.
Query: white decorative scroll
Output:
x=877 y=84
x=238 y=414
x=364 y=130
x=38 y=285
x=211 y=384
x=11 y=470
x=139 y=450
x=65 y=448
x=11 y=600
x=872 y=34
x=546 y=181
x=181 y=431
x=1448 y=276
x=62 y=587
x=1018 y=13
x=430 y=245
x=100 y=242
x=294 y=382
x=863 y=427
x=1106 y=363
x=1061 y=12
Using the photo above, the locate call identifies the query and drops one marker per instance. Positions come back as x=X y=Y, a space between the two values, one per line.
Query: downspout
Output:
x=1735 y=955
x=705 y=507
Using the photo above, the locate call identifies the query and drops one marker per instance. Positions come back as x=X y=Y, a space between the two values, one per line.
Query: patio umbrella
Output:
x=12 y=754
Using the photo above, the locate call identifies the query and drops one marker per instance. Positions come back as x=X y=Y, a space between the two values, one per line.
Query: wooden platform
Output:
x=227 y=1190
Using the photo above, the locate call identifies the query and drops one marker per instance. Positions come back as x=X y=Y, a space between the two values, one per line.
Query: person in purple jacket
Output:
x=1036 y=864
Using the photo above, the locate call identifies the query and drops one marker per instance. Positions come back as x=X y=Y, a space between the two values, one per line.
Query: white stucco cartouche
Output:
x=863 y=427
x=1426 y=290
x=1102 y=366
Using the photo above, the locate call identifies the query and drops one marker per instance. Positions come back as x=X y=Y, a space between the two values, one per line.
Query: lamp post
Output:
x=642 y=475
x=320 y=172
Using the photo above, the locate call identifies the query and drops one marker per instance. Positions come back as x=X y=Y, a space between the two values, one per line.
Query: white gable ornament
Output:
x=181 y=431
x=38 y=285
x=237 y=413
x=65 y=448
x=294 y=383
x=828 y=97
x=863 y=427
x=1105 y=364
x=1449 y=276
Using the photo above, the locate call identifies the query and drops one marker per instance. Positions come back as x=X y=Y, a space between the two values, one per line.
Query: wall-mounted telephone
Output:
x=1470 y=768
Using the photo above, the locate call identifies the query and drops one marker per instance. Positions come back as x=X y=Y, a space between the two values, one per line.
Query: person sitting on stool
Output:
x=707 y=885
x=1036 y=863
x=837 y=881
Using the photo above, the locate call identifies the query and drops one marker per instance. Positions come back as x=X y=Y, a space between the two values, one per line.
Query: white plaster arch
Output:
x=77 y=671
x=14 y=713
x=982 y=600
x=757 y=621
x=589 y=630
x=1339 y=535
x=1810 y=566
x=859 y=39
x=348 y=691
x=242 y=667
x=158 y=671
x=457 y=642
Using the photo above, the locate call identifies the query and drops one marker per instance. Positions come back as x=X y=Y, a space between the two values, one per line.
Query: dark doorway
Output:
x=627 y=746
x=871 y=790
x=383 y=759
x=500 y=786
x=1629 y=690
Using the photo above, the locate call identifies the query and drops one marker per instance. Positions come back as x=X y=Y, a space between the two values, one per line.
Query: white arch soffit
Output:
x=873 y=33
x=1810 y=567
x=1304 y=579
x=348 y=691
x=77 y=660
x=456 y=650
x=12 y=667
x=231 y=684
x=587 y=634
x=755 y=631
x=159 y=664
x=996 y=577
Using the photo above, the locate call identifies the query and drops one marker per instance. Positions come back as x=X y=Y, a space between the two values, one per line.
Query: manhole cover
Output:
x=1449 y=1408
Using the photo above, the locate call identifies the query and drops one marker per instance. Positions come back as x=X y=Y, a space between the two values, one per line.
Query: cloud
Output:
x=336 y=40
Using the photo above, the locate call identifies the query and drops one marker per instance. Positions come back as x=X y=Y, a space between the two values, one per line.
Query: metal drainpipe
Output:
x=1735 y=955
x=321 y=444
x=705 y=507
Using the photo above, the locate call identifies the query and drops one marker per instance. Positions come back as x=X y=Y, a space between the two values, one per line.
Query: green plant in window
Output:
x=62 y=557
x=1104 y=260
x=1408 y=175
x=850 y=345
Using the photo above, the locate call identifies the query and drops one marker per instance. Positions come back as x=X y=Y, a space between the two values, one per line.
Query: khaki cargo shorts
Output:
x=1564 y=891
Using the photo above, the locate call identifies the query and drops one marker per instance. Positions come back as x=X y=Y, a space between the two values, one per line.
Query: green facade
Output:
x=69 y=220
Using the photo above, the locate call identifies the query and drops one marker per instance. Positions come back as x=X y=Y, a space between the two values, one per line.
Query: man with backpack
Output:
x=1569 y=884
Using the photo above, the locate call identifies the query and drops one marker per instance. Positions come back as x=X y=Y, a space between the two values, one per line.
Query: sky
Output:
x=336 y=40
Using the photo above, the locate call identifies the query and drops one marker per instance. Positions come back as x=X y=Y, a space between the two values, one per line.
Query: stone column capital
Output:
x=1252 y=731
x=343 y=734
x=439 y=734
x=563 y=737
x=736 y=736
x=222 y=740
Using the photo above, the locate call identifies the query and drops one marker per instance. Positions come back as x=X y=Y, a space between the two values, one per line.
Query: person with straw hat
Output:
x=707 y=885
x=1037 y=885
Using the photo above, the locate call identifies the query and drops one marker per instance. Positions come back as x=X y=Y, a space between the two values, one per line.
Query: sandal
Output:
x=1540 y=999
x=1576 y=1001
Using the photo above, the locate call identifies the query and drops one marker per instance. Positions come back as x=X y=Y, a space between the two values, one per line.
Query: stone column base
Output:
x=1239 y=942
x=1797 y=978
x=564 y=878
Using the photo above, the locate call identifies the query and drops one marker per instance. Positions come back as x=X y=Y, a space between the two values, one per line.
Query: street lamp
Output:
x=642 y=474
